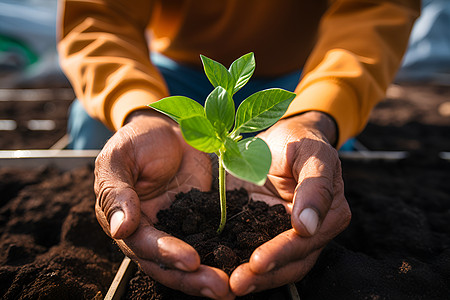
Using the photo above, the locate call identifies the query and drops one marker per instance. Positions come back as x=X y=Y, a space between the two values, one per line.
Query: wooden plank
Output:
x=120 y=281
x=63 y=159
x=293 y=292
x=373 y=155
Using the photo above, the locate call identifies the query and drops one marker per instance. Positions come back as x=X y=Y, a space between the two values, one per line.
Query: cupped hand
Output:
x=138 y=173
x=306 y=177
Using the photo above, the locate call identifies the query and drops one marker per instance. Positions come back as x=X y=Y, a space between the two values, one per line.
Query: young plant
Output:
x=217 y=127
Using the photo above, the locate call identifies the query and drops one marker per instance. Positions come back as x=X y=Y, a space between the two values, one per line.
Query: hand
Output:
x=306 y=176
x=138 y=173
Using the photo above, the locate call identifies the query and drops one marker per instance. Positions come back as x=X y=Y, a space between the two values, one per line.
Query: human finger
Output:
x=244 y=281
x=286 y=247
x=205 y=281
x=118 y=211
x=289 y=246
x=319 y=183
x=151 y=244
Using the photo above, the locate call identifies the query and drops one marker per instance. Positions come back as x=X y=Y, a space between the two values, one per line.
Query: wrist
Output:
x=322 y=122
x=145 y=114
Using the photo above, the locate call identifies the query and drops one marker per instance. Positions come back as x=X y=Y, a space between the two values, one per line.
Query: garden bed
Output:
x=51 y=244
x=411 y=118
x=396 y=247
x=398 y=243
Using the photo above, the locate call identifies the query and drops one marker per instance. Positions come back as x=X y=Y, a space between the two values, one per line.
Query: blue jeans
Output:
x=88 y=133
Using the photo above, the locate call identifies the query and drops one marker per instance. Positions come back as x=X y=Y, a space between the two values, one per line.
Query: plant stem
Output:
x=222 y=196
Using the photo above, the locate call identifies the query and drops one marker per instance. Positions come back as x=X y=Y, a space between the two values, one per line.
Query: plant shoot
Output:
x=217 y=127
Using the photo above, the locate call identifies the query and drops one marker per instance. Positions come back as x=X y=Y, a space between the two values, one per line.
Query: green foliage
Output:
x=216 y=128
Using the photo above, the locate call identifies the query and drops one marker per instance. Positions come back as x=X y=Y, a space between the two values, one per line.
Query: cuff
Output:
x=334 y=99
x=128 y=102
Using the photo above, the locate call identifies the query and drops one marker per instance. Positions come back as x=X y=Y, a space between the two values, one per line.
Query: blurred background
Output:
x=28 y=57
x=35 y=95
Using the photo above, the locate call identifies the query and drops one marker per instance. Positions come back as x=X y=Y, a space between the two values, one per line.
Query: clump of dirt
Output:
x=51 y=246
x=194 y=217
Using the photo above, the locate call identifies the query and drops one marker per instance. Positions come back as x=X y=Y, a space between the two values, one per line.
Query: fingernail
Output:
x=116 y=220
x=208 y=293
x=310 y=219
x=270 y=267
x=181 y=266
x=250 y=289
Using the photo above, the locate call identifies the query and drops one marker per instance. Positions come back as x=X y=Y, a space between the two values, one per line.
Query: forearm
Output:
x=360 y=47
x=104 y=53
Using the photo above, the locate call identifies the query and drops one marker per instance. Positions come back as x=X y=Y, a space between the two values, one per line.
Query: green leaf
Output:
x=217 y=74
x=262 y=109
x=231 y=148
x=200 y=134
x=219 y=108
x=178 y=107
x=242 y=69
x=253 y=162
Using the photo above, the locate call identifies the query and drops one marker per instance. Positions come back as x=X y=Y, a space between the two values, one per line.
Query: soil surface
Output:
x=411 y=118
x=51 y=246
x=194 y=217
x=396 y=247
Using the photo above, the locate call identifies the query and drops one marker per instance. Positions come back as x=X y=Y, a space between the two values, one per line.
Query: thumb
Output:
x=312 y=201
x=118 y=211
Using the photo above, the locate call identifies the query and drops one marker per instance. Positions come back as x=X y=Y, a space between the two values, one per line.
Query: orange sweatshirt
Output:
x=349 y=50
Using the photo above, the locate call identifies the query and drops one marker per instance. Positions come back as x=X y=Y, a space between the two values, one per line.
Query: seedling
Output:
x=217 y=127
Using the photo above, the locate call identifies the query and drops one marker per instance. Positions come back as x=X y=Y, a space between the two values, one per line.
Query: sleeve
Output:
x=104 y=53
x=359 y=48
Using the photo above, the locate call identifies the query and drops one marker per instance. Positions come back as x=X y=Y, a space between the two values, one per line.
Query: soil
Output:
x=396 y=247
x=51 y=246
x=413 y=118
x=194 y=217
x=398 y=243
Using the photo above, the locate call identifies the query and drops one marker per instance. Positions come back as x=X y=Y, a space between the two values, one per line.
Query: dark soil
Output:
x=411 y=118
x=194 y=217
x=396 y=247
x=398 y=243
x=51 y=246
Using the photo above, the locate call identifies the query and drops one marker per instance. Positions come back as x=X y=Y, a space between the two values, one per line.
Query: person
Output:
x=339 y=57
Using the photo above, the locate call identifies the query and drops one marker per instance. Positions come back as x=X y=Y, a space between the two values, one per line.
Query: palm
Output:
x=157 y=185
x=305 y=173
x=139 y=171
